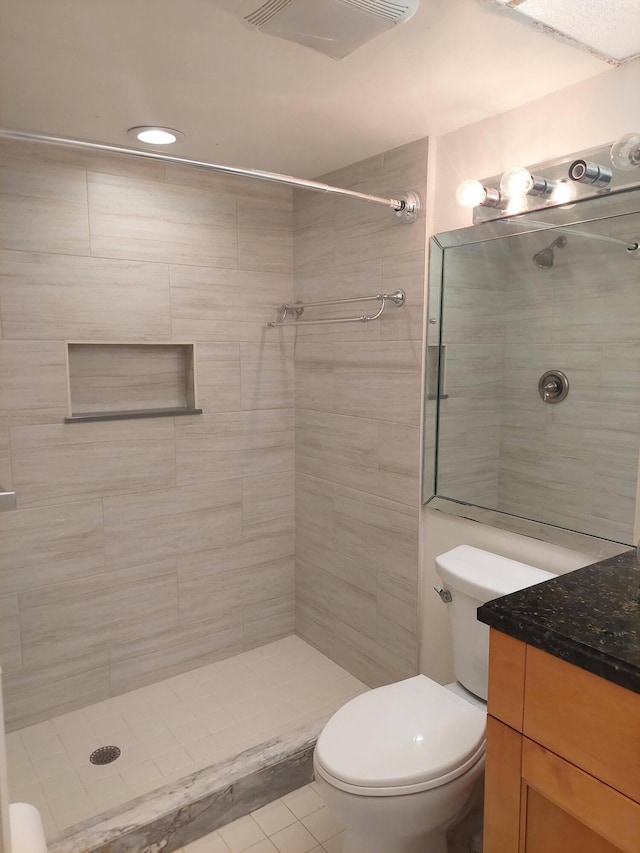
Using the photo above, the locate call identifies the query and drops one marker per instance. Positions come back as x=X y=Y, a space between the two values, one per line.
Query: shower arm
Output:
x=406 y=207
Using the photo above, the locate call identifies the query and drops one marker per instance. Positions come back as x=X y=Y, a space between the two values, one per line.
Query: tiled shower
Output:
x=146 y=550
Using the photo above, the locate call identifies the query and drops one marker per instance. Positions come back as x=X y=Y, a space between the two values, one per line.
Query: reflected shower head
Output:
x=544 y=258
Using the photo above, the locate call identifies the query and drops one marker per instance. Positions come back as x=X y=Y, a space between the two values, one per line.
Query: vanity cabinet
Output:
x=563 y=756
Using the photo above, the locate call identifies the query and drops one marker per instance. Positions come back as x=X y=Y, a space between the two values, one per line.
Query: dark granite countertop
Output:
x=589 y=617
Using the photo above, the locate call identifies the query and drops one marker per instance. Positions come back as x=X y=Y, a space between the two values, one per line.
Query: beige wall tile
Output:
x=62 y=462
x=267 y=249
x=154 y=525
x=314 y=389
x=268 y=505
x=383 y=396
x=161 y=222
x=258 y=193
x=6 y=477
x=171 y=652
x=43 y=205
x=381 y=239
x=310 y=209
x=337 y=448
x=91 y=620
x=53 y=157
x=31 y=177
x=353 y=571
x=238 y=444
x=218 y=597
x=242 y=555
x=314 y=247
x=315 y=586
x=234 y=305
x=399 y=465
x=382 y=531
x=368 y=659
x=314 y=503
x=50 y=544
x=357 y=422
x=355 y=173
x=32 y=224
x=362 y=278
x=82 y=298
x=267 y=375
x=34 y=695
x=373 y=357
x=10 y=645
x=33 y=383
x=219 y=388
x=268 y=621
x=398 y=600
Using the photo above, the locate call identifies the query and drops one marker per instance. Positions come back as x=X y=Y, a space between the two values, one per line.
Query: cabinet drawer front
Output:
x=610 y=815
x=591 y=722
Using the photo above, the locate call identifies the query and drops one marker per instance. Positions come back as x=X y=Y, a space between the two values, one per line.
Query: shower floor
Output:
x=171 y=729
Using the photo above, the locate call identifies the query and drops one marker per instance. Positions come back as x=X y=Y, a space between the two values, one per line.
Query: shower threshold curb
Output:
x=183 y=811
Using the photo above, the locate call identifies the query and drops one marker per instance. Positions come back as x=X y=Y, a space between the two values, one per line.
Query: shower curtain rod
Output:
x=406 y=207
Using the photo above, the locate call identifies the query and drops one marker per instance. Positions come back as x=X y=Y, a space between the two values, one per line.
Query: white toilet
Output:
x=398 y=765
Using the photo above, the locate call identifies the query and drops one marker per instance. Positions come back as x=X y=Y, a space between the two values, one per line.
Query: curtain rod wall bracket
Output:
x=409 y=209
x=406 y=207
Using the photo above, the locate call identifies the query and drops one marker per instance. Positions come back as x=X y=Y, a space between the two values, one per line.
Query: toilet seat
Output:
x=399 y=739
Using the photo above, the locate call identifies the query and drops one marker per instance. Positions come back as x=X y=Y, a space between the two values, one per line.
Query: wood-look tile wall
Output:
x=140 y=548
x=358 y=423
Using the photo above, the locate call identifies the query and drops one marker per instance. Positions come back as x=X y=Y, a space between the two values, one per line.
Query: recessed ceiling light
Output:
x=155 y=135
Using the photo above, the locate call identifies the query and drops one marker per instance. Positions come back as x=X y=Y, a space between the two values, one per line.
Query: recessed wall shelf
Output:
x=110 y=381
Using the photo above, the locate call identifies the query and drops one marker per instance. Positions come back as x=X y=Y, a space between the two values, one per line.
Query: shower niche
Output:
x=511 y=301
x=114 y=381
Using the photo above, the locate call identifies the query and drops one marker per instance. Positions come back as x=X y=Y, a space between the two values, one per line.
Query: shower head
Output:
x=544 y=258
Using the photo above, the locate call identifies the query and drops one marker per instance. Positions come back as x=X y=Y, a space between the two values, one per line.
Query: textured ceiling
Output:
x=93 y=68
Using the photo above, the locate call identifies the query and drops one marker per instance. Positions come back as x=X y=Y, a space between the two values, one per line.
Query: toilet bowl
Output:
x=397 y=765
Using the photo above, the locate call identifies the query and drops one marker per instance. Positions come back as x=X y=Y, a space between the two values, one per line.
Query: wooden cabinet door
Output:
x=564 y=810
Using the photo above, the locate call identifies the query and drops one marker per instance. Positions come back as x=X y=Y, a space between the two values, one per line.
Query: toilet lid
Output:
x=399 y=735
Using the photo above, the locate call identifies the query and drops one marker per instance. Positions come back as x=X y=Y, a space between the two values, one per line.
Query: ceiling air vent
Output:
x=333 y=27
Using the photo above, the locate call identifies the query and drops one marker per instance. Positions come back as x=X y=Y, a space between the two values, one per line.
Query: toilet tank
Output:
x=473 y=577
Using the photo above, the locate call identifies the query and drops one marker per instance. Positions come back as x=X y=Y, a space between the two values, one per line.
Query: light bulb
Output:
x=563 y=192
x=516 y=182
x=155 y=135
x=470 y=193
x=625 y=152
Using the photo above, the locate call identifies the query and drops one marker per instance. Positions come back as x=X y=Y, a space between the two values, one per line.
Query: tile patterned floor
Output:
x=296 y=823
x=170 y=729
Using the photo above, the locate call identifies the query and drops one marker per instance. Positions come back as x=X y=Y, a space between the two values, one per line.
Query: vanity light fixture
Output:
x=519 y=182
x=472 y=193
x=586 y=172
x=155 y=135
x=625 y=152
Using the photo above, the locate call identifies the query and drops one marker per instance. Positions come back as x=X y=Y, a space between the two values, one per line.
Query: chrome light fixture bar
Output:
x=407 y=206
x=560 y=182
